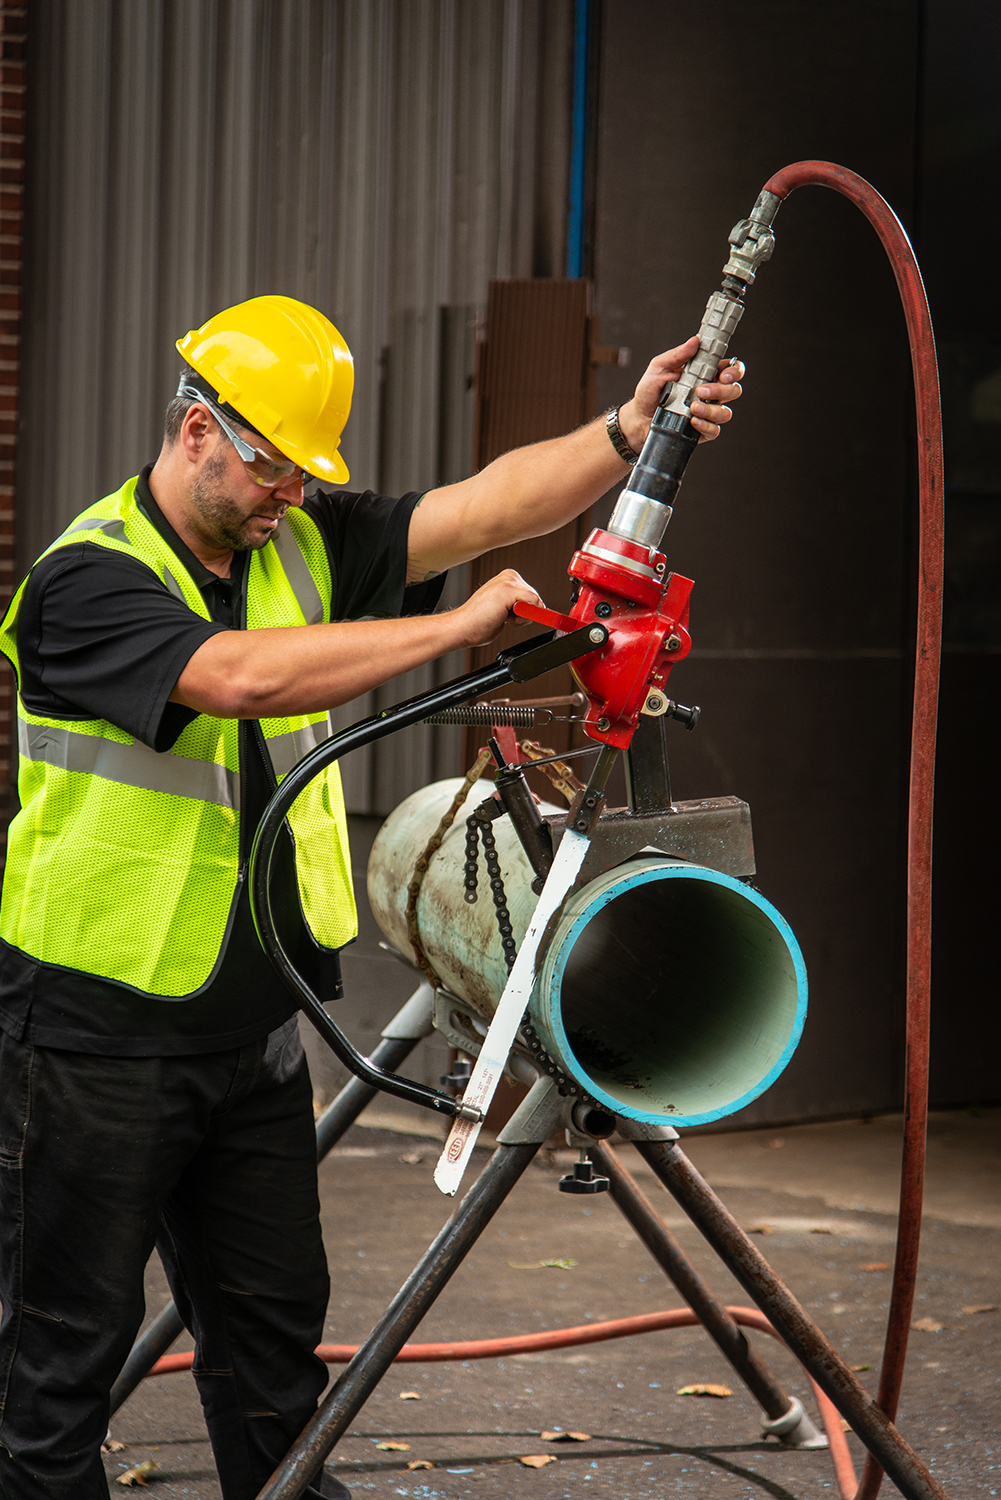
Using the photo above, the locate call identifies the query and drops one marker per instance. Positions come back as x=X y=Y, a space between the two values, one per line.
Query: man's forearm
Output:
x=306 y=669
x=254 y=674
x=527 y=492
x=547 y=484
x=535 y=490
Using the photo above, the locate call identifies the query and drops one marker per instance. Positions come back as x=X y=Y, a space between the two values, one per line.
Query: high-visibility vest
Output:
x=125 y=863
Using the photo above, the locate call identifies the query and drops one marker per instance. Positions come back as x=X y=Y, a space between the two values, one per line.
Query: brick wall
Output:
x=13 y=23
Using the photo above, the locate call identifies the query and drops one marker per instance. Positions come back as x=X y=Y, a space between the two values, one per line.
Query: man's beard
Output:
x=222 y=522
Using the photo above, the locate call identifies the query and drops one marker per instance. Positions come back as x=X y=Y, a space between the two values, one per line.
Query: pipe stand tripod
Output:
x=541 y=1115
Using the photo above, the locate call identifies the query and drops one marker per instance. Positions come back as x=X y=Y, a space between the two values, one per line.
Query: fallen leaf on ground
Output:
x=540 y=1265
x=821 y=1229
x=412 y=1158
x=538 y=1460
x=410 y=1395
x=761 y=1229
x=138 y=1473
x=557 y=1436
x=393 y=1447
x=981 y=1307
x=928 y=1325
x=705 y=1390
x=859 y=1368
x=419 y=1463
x=111 y=1445
x=845 y=1426
x=876 y=1265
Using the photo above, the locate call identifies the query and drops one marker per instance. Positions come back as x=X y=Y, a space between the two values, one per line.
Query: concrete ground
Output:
x=821 y=1198
x=822 y=1220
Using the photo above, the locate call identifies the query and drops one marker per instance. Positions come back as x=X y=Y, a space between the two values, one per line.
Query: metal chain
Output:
x=471 y=875
x=499 y=895
x=476 y=828
x=421 y=868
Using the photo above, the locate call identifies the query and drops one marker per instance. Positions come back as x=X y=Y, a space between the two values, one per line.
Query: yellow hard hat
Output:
x=283 y=367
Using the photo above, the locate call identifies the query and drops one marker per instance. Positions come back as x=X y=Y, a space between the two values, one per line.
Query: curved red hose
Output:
x=922 y=772
x=560 y=1338
x=919 y=869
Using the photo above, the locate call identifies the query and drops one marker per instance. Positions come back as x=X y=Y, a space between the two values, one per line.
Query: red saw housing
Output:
x=625 y=587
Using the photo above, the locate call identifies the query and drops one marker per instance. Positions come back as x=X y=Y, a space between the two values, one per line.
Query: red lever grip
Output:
x=551 y=618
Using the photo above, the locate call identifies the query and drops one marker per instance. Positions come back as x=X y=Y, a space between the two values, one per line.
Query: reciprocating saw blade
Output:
x=507 y=1017
x=513 y=1003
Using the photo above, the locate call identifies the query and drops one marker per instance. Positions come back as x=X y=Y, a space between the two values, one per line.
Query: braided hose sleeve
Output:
x=922 y=765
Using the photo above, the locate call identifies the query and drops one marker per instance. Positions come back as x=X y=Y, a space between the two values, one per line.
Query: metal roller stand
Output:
x=744 y=1261
x=410 y=1024
x=541 y=1115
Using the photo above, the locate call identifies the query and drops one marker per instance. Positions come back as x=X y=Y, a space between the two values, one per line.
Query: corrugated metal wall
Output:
x=382 y=159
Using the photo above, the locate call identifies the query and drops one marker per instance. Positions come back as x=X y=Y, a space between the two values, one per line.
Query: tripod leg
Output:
x=342 y=1112
x=745 y=1261
x=413 y=1022
x=408 y=1307
x=779 y=1408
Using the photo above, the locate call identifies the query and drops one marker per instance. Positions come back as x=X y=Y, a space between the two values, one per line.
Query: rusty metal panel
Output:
x=533 y=374
x=383 y=159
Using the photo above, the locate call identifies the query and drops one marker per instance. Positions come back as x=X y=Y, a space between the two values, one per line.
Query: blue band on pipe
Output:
x=551 y=1007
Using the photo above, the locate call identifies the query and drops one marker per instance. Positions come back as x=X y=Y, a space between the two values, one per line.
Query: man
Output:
x=177 y=650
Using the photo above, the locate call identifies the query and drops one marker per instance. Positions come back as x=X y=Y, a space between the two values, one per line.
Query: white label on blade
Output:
x=507 y=1017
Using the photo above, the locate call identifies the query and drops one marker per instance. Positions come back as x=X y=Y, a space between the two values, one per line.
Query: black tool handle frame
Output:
x=517 y=664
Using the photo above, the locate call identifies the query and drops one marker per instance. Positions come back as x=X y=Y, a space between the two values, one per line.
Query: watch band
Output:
x=616 y=438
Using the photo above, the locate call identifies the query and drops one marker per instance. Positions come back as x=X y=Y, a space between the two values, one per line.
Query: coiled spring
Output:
x=485 y=714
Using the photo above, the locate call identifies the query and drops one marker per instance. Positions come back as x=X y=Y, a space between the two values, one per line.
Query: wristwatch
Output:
x=616 y=438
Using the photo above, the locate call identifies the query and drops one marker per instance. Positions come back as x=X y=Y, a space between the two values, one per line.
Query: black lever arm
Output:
x=517 y=664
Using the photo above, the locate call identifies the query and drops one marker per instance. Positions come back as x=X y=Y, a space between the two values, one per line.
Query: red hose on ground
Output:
x=922 y=772
x=561 y=1338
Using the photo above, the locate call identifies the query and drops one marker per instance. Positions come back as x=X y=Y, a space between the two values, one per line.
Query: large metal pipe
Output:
x=671 y=992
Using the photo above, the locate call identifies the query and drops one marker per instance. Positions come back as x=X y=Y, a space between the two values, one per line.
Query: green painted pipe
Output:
x=674 y=994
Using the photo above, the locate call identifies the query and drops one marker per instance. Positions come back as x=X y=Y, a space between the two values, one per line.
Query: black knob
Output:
x=687 y=716
x=459 y=1077
x=583 y=1179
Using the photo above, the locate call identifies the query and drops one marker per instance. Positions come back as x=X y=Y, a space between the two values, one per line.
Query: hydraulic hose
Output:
x=563 y=1338
x=895 y=242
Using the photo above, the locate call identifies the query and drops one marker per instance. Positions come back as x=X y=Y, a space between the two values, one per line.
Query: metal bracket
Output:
x=712 y=831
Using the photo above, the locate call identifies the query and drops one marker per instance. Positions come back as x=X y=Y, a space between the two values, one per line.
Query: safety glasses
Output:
x=263 y=470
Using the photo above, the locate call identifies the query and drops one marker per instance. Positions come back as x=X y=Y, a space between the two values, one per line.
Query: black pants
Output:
x=212 y=1158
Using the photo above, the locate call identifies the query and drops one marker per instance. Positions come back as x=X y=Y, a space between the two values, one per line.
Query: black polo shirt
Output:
x=100 y=637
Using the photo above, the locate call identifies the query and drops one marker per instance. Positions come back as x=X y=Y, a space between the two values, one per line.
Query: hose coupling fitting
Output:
x=751 y=239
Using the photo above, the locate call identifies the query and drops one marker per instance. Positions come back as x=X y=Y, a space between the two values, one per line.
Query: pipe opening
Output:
x=676 y=995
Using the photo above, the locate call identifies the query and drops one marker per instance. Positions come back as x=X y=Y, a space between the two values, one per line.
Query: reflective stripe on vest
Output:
x=286 y=750
x=290 y=554
x=130 y=765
